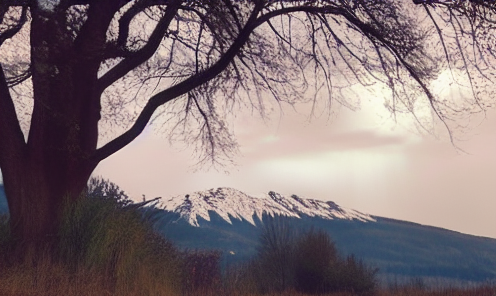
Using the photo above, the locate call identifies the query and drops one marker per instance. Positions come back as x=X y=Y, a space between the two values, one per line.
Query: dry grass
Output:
x=480 y=291
x=107 y=248
x=48 y=278
x=104 y=248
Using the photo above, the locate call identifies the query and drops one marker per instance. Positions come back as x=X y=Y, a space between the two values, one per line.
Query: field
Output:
x=107 y=246
x=50 y=279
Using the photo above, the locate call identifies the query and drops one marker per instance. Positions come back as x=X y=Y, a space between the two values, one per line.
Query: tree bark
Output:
x=54 y=164
x=36 y=202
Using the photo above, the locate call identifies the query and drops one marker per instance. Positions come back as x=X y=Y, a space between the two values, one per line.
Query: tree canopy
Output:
x=69 y=69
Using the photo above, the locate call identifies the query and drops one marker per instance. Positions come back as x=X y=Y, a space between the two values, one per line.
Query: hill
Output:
x=231 y=221
x=3 y=201
x=403 y=251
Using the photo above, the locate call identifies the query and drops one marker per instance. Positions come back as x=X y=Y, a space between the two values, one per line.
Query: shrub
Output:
x=201 y=272
x=307 y=263
x=352 y=275
x=104 y=189
x=315 y=256
x=104 y=232
x=106 y=245
x=320 y=269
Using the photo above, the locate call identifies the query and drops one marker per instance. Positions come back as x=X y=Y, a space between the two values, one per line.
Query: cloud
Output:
x=314 y=141
x=351 y=160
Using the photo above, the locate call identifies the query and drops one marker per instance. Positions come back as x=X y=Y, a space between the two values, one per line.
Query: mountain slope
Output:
x=231 y=203
x=3 y=201
x=231 y=221
x=402 y=251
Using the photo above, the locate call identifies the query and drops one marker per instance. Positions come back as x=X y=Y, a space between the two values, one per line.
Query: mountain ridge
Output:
x=403 y=251
x=231 y=203
x=3 y=201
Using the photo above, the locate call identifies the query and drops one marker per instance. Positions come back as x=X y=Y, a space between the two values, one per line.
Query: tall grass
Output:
x=105 y=247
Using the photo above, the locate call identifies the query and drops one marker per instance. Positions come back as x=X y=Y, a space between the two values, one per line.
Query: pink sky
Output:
x=360 y=160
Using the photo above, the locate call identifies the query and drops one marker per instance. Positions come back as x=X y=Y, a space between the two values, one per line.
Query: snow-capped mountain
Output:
x=231 y=203
x=402 y=251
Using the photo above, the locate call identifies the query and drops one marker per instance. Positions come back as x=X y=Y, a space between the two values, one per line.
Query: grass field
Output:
x=108 y=247
x=49 y=278
x=55 y=281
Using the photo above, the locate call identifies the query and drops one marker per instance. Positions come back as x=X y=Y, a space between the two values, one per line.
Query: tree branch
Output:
x=127 y=17
x=9 y=33
x=198 y=79
x=9 y=3
x=18 y=79
x=66 y=2
x=176 y=91
x=91 y=39
x=139 y=57
x=12 y=142
x=485 y=3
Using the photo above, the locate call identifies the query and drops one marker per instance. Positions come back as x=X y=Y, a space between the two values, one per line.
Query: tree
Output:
x=315 y=255
x=71 y=68
x=104 y=189
x=275 y=255
x=305 y=260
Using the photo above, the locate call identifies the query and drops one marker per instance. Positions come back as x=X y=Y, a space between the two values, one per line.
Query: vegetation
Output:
x=69 y=66
x=107 y=246
x=307 y=263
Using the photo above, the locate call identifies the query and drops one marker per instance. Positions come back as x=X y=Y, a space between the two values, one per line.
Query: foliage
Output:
x=103 y=230
x=108 y=248
x=275 y=255
x=104 y=189
x=307 y=263
x=105 y=238
x=320 y=269
x=316 y=262
x=201 y=272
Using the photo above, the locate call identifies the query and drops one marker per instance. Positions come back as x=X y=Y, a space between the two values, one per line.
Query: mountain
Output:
x=228 y=202
x=3 y=201
x=231 y=221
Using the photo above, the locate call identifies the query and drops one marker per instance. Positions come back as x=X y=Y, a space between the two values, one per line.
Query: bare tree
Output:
x=276 y=252
x=69 y=68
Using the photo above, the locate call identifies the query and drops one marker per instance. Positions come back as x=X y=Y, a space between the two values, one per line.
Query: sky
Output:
x=359 y=159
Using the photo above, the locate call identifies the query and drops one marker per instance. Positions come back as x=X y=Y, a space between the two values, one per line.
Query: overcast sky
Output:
x=360 y=160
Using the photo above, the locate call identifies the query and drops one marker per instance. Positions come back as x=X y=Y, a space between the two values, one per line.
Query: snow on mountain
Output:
x=231 y=203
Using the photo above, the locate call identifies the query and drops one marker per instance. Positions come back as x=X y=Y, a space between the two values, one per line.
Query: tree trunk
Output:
x=54 y=163
x=36 y=198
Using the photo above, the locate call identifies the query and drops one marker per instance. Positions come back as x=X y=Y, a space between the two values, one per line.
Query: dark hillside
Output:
x=401 y=250
x=3 y=201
